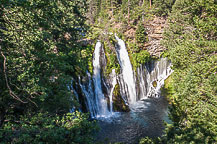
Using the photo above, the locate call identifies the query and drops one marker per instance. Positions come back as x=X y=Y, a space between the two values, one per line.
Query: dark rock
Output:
x=118 y=103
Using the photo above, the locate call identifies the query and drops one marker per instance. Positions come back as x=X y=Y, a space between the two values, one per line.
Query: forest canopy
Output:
x=42 y=50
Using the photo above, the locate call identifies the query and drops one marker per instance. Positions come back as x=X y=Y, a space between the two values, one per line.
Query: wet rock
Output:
x=118 y=103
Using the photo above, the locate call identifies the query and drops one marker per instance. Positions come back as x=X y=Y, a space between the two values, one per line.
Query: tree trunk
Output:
x=150 y=3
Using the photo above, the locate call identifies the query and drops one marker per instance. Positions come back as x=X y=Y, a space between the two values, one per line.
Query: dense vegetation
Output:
x=39 y=54
x=41 y=50
x=191 y=43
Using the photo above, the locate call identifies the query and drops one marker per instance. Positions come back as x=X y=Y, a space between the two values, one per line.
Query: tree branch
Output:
x=6 y=80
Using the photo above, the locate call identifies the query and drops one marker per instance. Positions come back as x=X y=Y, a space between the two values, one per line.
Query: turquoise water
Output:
x=146 y=118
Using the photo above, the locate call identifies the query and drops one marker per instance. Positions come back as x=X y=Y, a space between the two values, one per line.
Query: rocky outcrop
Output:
x=155 y=29
x=118 y=103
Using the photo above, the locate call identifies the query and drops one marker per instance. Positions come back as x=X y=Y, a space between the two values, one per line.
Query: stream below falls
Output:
x=146 y=118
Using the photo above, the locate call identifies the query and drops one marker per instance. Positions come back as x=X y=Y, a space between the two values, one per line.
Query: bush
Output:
x=140 y=58
x=42 y=128
x=141 y=35
x=191 y=43
x=163 y=7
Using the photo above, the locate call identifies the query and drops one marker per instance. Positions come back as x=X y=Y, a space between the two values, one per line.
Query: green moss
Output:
x=164 y=54
x=90 y=57
x=112 y=61
x=140 y=58
x=154 y=83
x=118 y=102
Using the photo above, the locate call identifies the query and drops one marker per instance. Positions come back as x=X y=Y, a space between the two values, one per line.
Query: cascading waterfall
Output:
x=89 y=94
x=102 y=107
x=95 y=100
x=127 y=71
x=114 y=82
x=157 y=74
x=98 y=90
x=146 y=114
x=152 y=76
x=141 y=77
x=71 y=88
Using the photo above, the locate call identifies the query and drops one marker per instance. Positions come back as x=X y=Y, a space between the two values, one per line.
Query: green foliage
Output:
x=163 y=7
x=42 y=128
x=112 y=63
x=146 y=140
x=164 y=54
x=40 y=51
x=140 y=58
x=113 y=17
x=191 y=43
x=168 y=90
x=154 y=83
x=141 y=35
x=40 y=48
x=118 y=102
x=191 y=90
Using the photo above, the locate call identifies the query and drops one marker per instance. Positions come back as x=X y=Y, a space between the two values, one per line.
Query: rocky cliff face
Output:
x=154 y=26
x=155 y=29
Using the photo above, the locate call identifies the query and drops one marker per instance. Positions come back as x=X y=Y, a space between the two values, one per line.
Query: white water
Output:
x=73 y=90
x=98 y=90
x=127 y=71
x=156 y=72
x=161 y=71
x=89 y=94
x=142 y=82
x=114 y=82
x=102 y=107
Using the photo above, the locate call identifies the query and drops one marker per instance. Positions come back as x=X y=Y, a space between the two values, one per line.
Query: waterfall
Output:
x=91 y=87
x=156 y=74
x=129 y=86
x=102 y=107
x=89 y=95
x=134 y=86
x=114 y=82
x=142 y=81
x=71 y=88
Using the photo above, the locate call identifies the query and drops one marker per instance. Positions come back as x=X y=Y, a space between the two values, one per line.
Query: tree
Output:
x=191 y=43
x=39 y=53
x=162 y=7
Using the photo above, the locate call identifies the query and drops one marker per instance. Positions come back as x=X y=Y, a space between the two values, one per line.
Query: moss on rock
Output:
x=154 y=83
x=118 y=102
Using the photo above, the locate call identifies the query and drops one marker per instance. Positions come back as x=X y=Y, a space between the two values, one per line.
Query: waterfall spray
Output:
x=127 y=71
x=150 y=78
x=114 y=82
x=102 y=107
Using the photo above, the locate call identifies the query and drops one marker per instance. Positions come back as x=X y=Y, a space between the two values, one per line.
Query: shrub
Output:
x=42 y=128
x=141 y=35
